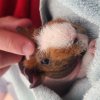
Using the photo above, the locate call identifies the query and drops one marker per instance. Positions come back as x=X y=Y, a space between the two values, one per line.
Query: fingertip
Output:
x=28 y=49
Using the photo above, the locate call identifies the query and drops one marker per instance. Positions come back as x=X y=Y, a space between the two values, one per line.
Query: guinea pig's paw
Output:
x=43 y=93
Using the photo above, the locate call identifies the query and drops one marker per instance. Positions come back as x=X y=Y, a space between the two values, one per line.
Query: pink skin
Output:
x=12 y=44
x=78 y=72
x=6 y=96
x=2 y=96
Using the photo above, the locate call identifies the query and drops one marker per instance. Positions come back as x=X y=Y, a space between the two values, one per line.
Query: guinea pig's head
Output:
x=58 y=51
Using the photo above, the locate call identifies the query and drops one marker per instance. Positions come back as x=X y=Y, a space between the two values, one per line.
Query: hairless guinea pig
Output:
x=60 y=47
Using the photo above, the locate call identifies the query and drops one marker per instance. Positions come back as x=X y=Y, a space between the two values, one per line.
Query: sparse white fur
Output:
x=57 y=35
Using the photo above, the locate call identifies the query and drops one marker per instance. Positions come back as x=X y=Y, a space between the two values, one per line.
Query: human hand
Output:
x=12 y=44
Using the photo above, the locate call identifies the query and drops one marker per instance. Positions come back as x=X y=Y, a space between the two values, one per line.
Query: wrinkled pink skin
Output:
x=61 y=85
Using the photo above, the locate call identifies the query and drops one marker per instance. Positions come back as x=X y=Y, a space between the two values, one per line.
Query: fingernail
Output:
x=28 y=49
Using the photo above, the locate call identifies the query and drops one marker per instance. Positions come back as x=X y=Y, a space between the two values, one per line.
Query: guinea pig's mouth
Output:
x=33 y=75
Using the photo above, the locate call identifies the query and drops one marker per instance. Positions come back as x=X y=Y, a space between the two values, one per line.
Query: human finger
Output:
x=7 y=59
x=11 y=23
x=15 y=43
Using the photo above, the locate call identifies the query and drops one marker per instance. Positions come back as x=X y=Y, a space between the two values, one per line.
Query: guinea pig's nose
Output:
x=31 y=74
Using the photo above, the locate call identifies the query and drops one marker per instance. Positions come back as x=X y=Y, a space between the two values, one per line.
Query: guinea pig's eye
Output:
x=76 y=40
x=45 y=61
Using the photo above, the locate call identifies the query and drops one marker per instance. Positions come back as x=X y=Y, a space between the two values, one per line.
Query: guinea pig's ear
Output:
x=79 y=28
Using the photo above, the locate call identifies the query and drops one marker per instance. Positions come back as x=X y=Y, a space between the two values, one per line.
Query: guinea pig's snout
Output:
x=33 y=74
